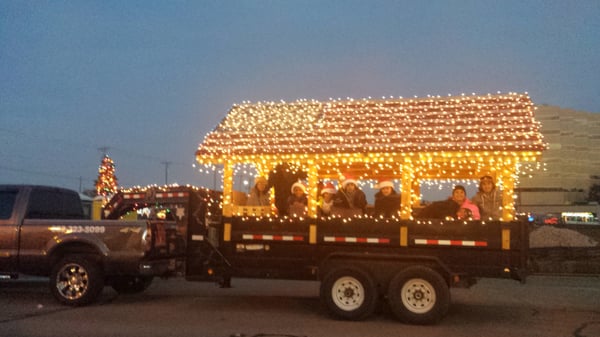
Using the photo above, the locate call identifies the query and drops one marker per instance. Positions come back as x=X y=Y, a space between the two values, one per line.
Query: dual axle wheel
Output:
x=416 y=295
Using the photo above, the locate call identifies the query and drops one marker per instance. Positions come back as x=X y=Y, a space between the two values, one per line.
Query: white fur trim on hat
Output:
x=348 y=181
x=385 y=183
x=328 y=190
x=299 y=184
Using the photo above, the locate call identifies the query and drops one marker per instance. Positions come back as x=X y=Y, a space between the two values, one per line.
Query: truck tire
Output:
x=349 y=293
x=419 y=295
x=131 y=284
x=76 y=280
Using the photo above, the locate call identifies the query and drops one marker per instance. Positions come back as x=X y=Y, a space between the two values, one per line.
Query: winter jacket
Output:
x=474 y=209
x=387 y=206
x=356 y=201
x=297 y=205
x=490 y=204
x=257 y=198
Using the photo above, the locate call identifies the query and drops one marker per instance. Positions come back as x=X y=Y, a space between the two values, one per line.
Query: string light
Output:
x=454 y=137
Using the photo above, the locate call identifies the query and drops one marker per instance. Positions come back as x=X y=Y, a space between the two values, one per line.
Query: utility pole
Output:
x=166 y=163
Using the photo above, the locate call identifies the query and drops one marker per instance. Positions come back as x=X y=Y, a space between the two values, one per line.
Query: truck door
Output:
x=9 y=230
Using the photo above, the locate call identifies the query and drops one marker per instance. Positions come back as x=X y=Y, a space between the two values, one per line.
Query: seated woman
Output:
x=298 y=201
x=387 y=201
x=259 y=194
x=488 y=199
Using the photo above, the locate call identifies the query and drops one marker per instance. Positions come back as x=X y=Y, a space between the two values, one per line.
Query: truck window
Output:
x=51 y=204
x=7 y=202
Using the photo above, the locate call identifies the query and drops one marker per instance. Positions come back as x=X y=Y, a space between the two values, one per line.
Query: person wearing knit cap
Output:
x=326 y=201
x=459 y=195
x=488 y=199
x=350 y=200
x=387 y=201
x=298 y=201
x=259 y=194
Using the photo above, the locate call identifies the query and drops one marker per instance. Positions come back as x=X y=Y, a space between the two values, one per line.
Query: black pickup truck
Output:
x=43 y=232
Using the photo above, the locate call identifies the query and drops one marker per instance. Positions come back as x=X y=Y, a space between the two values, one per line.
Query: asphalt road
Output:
x=545 y=306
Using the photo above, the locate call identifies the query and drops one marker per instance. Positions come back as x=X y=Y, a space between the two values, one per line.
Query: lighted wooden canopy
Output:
x=407 y=139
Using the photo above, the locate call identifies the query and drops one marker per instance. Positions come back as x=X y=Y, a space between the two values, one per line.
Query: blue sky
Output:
x=149 y=79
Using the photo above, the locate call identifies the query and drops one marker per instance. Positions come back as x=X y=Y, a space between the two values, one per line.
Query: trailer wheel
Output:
x=419 y=295
x=131 y=284
x=76 y=280
x=349 y=293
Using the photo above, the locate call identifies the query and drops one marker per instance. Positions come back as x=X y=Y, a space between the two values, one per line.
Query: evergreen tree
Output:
x=106 y=184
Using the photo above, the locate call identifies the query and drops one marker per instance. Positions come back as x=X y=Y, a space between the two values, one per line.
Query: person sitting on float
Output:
x=326 y=201
x=488 y=199
x=297 y=202
x=349 y=200
x=259 y=194
x=387 y=201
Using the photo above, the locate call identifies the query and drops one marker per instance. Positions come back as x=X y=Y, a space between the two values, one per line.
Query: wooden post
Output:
x=313 y=190
x=406 y=189
x=508 y=190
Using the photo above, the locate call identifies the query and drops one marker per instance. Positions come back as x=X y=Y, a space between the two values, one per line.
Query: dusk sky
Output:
x=149 y=79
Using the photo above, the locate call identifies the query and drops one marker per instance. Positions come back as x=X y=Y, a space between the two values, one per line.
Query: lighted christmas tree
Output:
x=106 y=184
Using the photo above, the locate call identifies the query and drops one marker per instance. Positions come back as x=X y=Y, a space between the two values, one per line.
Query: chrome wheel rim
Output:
x=72 y=281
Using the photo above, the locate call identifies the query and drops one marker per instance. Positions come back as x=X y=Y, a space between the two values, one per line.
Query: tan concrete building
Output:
x=568 y=168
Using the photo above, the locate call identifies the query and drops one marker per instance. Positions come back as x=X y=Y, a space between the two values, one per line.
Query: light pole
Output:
x=166 y=163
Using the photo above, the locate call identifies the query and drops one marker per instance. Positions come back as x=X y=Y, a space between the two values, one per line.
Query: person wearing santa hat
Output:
x=387 y=201
x=350 y=199
x=298 y=201
x=326 y=200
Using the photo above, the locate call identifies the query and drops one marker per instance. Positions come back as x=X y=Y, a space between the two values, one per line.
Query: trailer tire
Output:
x=76 y=280
x=419 y=295
x=128 y=285
x=349 y=293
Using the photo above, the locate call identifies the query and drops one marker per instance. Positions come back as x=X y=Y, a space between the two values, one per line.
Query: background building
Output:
x=570 y=166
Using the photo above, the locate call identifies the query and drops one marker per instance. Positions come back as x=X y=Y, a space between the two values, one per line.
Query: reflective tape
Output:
x=352 y=239
x=270 y=237
x=465 y=243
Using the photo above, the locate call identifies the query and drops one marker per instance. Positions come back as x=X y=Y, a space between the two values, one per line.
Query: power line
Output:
x=47 y=174
x=104 y=148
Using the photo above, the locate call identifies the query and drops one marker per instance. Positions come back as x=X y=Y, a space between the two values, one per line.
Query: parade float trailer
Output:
x=363 y=260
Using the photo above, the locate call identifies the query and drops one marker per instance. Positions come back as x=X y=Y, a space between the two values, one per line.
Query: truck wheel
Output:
x=76 y=280
x=419 y=295
x=349 y=293
x=131 y=284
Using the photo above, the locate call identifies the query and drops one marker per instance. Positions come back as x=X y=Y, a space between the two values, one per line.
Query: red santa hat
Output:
x=299 y=184
x=328 y=188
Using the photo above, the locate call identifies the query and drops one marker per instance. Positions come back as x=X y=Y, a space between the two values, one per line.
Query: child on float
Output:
x=387 y=201
x=297 y=202
x=326 y=201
